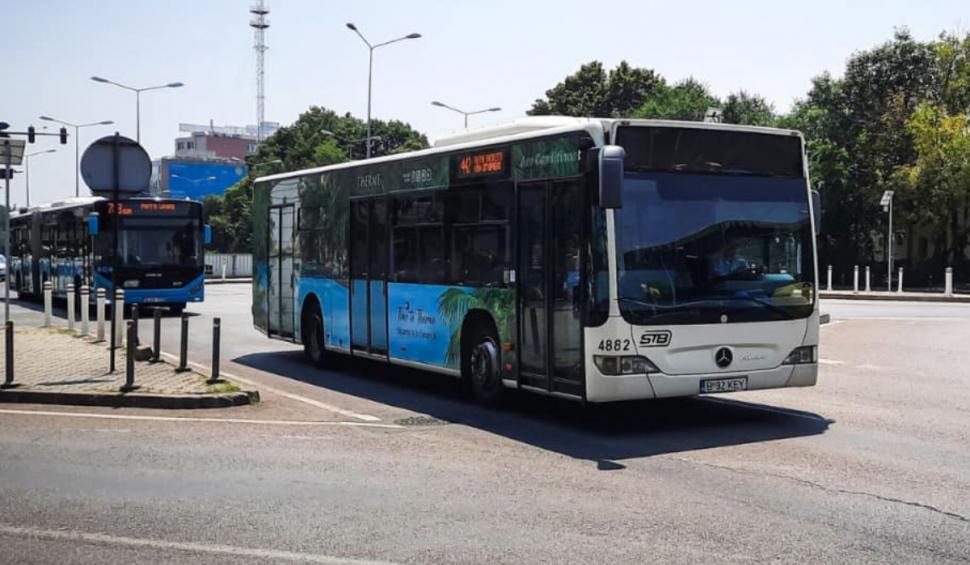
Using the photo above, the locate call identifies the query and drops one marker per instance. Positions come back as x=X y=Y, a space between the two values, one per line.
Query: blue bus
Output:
x=160 y=246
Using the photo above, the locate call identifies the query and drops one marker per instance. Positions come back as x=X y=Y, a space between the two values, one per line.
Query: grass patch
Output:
x=221 y=387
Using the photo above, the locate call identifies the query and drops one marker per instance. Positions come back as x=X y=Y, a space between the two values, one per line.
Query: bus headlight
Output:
x=801 y=356
x=624 y=365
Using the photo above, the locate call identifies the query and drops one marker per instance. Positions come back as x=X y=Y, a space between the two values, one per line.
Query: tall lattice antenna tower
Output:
x=260 y=23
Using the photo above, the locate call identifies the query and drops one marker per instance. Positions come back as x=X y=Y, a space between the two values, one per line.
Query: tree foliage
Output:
x=591 y=91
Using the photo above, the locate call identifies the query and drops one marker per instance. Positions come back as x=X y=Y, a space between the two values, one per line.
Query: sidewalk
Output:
x=894 y=296
x=52 y=366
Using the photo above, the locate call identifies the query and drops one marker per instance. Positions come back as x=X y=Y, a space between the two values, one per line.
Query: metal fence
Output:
x=228 y=265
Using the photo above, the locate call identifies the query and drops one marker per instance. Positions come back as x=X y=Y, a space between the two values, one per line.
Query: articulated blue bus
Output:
x=160 y=246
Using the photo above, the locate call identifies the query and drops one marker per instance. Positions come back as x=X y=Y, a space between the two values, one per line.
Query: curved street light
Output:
x=464 y=113
x=370 y=70
x=77 y=154
x=138 y=92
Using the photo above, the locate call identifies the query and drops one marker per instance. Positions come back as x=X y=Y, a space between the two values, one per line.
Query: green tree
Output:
x=591 y=91
x=747 y=109
x=939 y=179
x=687 y=100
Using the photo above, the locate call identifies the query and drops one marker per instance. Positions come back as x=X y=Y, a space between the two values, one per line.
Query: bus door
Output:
x=281 y=275
x=368 y=274
x=550 y=329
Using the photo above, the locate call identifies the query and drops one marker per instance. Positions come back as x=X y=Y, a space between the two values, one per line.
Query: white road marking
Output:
x=218 y=549
x=830 y=362
x=197 y=419
x=290 y=395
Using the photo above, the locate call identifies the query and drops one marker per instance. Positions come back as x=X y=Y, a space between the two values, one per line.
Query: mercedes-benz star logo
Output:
x=723 y=357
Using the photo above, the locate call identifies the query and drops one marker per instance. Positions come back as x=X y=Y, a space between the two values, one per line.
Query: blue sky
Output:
x=473 y=54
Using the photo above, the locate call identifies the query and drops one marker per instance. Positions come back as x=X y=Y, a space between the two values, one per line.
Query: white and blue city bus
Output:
x=160 y=247
x=595 y=259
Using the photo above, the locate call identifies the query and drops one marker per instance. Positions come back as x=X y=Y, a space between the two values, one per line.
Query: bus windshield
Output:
x=160 y=242
x=711 y=248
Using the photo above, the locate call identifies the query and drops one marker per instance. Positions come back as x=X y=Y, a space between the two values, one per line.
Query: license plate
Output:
x=732 y=384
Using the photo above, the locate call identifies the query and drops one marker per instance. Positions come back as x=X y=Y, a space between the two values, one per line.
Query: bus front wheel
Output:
x=481 y=366
x=313 y=337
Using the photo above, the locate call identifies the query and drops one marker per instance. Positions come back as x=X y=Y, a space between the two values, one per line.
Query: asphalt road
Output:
x=364 y=462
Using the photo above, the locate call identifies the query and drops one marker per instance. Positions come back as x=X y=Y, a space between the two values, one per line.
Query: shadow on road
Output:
x=600 y=433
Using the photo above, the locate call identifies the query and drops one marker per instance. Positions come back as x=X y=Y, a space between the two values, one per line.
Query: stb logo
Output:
x=723 y=357
x=655 y=339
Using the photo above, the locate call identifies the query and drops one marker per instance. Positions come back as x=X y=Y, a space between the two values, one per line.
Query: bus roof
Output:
x=76 y=202
x=529 y=127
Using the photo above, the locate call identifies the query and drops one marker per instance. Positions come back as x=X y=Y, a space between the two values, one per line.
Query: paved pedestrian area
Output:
x=57 y=360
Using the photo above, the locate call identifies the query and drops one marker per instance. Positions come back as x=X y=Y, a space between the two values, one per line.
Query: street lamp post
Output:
x=350 y=142
x=370 y=70
x=464 y=113
x=887 y=206
x=27 y=169
x=137 y=92
x=77 y=150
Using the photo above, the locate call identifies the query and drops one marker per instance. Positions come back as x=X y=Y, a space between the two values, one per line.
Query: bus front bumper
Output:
x=608 y=388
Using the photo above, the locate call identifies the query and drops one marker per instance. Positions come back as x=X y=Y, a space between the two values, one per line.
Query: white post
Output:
x=70 y=307
x=100 y=312
x=48 y=303
x=948 y=289
x=855 y=279
x=868 y=286
x=899 y=287
x=118 y=311
x=223 y=268
x=85 y=309
x=829 y=286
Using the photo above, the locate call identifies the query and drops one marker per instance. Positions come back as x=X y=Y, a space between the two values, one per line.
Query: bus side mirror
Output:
x=611 y=176
x=93 y=224
x=817 y=211
x=207 y=235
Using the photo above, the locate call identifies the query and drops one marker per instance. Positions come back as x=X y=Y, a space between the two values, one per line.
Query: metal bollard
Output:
x=85 y=309
x=130 y=357
x=216 y=331
x=157 y=342
x=48 y=303
x=223 y=269
x=100 y=312
x=184 y=345
x=948 y=282
x=8 y=375
x=868 y=279
x=118 y=314
x=855 y=279
x=829 y=286
x=70 y=307
x=899 y=288
x=134 y=318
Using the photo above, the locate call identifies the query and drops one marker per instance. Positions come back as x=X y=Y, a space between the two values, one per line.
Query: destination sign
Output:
x=144 y=208
x=488 y=163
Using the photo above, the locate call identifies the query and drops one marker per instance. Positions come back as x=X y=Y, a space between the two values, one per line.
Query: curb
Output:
x=228 y=281
x=894 y=297
x=132 y=400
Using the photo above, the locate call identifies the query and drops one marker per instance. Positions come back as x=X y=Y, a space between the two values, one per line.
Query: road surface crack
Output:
x=820 y=486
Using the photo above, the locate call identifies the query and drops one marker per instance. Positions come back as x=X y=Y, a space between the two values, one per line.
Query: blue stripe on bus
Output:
x=193 y=291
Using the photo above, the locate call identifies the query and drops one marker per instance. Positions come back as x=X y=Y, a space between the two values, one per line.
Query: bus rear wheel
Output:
x=312 y=330
x=481 y=367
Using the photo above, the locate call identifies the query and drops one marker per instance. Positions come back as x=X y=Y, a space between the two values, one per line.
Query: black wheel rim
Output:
x=480 y=365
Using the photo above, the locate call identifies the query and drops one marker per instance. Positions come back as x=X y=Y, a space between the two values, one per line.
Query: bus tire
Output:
x=481 y=366
x=312 y=334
